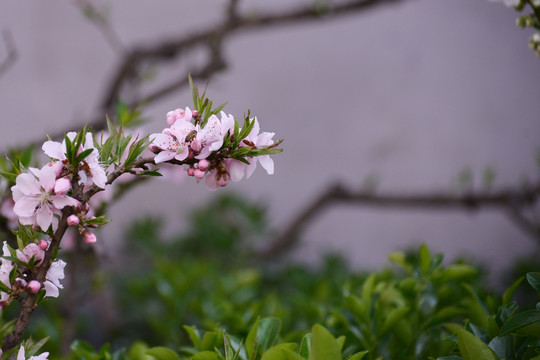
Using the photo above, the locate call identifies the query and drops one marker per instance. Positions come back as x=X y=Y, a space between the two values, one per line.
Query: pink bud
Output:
x=191 y=155
x=33 y=286
x=89 y=237
x=43 y=244
x=73 y=220
x=203 y=164
x=191 y=171
x=62 y=186
x=154 y=148
x=223 y=180
x=199 y=174
x=194 y=113
x=85 y=208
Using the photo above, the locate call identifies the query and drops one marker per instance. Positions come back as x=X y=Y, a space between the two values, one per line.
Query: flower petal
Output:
x=44 y=217
x=267 y=163
x=53 y=150
x=25 y=206
x=28 y=184
x=61 y=201
x=50 y=290
x=164 y=156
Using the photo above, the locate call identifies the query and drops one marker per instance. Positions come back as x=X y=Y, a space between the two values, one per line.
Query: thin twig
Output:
x=11 y=52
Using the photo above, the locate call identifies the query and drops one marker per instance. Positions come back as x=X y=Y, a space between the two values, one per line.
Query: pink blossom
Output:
x=178 y=114
x=172 y=142
x=95 y=171
x=35 y=200
x=199 y=174
x=54 y=275
x=237 y=169
x=210 y=138
x=30 y=251
x=5 y=270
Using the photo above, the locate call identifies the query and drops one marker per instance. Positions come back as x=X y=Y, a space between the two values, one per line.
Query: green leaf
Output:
x=83 y=155
x=194 y=93
x=400 y=259
x=263 y=335
x=137 y=351
x=193 y=335
x=509 y=293
x=534 y=279
x=305 y=346
x=425 y=259
x=519 y=321
x=205 y=355
x=367 y=288
x=393 y=317
x=162 y=353
x=281 y=352
x=472 y=348
x=324 y=346
x=457 y=272
x=358 y=356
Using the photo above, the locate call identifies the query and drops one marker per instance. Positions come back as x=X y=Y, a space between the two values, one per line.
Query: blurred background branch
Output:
x=513 y=202
x=11 y=52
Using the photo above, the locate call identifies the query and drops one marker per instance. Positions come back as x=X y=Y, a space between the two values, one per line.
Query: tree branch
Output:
x=508 y=200
x=11 y=52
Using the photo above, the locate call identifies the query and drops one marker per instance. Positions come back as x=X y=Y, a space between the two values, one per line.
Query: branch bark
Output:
x=510 y=201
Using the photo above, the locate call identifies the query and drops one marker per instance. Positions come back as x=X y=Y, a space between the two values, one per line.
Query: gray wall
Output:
x=412 y=93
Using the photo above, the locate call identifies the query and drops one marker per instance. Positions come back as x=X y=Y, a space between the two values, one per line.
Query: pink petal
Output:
x=28 y=184
x=236 y=170
x=267 y=163
x=50 y=290
x=98 y=176
x=61 y=201
x=251 y=167
x=53 y=150
x=47 y=178
x=164 y=156
x=44 y=217
x=25 y=206
x=264 y=139
x=211 y=181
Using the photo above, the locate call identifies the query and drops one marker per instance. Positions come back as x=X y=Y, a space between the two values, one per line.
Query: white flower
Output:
x=22 y=356
x=54 y=274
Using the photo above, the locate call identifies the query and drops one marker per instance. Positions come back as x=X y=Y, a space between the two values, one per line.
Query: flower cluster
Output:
x=29 y=258
x=218 y=151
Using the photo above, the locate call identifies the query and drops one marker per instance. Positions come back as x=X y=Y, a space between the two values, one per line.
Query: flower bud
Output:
x=33 y=286
x=223 y=180
x=154 y=148
x=203 y=164
x=199 y=174
x=43 y=244
x=62 y=186
x=195 y=113
x=73 y=220
x=85 y=208
x=191 y=171
x=89 y=237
